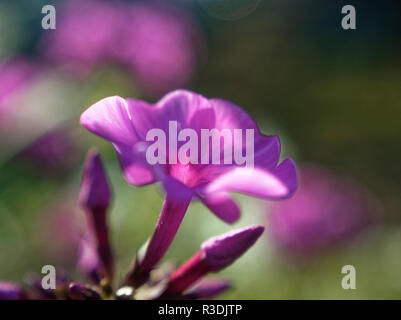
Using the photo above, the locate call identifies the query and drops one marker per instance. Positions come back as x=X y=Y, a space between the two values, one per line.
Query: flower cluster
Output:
x=124 y=123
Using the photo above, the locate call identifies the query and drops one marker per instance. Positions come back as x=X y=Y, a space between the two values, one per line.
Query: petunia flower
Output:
x=326 y=210
x=126 y=123
x=214 y=255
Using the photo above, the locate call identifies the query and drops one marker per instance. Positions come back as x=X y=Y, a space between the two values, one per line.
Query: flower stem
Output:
x=170 y=219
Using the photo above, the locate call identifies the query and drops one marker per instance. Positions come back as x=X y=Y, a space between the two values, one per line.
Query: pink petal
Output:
x=253 y=181
x=109 y=119
x=203 y=119
x=287 y=172
x=231 y=116
x=135 y=168
x=145 y=117
x=223 y=206
x=178 y=105
x=182 y=105
x=267 y=152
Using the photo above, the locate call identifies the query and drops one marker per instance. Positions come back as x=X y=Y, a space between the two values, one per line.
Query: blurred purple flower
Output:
x=37 y=292
x=15 y=75
x=125 y=123
x=11 y=291
x=162 y=44
x=158 y=42
x=325 y=210
x=55 y=151
x=214 y=255
x=63 y=228
x=27 y=118
x=79 y=291
x=86 y=32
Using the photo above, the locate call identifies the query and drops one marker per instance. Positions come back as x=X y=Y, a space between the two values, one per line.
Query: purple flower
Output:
x=159 y=43
x=94 y=198
x=326 y=210
x=11 y=291
x=214 y=255
x=127 y=123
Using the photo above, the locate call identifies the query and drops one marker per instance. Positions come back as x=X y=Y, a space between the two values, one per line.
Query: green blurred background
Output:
x=333 y=97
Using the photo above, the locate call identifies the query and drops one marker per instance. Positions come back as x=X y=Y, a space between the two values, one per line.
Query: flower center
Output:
x=188 y=174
